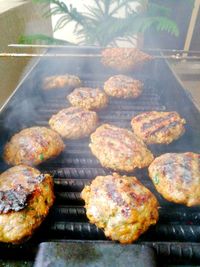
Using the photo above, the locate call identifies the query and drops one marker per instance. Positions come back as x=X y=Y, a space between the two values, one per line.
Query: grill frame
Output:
x=76 y=167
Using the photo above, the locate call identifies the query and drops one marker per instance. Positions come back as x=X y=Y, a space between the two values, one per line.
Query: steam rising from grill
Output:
x=31 y=106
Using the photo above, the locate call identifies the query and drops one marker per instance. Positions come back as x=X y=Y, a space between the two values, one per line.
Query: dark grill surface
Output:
x=176 y=236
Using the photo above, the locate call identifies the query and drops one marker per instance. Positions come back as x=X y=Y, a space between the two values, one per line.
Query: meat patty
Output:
x=121 y=205
x=119 y=149
x=33 y=146
x=156 y=127
x=26 y=196
x=74 y=123
x=88 y=98
x=124 y=59
x=176 y=176
x=123 y=86
x=61 y=81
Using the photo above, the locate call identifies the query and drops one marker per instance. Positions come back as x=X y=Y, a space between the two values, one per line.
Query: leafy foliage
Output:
x=101 y=23
x=41 y=38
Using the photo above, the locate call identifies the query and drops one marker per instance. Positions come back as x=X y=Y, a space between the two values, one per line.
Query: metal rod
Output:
x=93 y=47
x=50 y=46
x=192 y=24
x=6 y=55
x=47 y=55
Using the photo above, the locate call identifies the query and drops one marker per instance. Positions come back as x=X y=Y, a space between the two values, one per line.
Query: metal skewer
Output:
x=4 y=55
x=47 y=55
x=94 y=47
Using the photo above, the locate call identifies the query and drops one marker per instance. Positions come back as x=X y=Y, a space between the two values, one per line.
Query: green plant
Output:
x=30 y=39
x=101 y=24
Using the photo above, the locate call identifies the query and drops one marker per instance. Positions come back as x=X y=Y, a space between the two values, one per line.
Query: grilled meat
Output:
x=61 y=81
x=26 y=196
x=158 y=127
x=121 y=205
x=176 y=176
x=88 y=98
x=74 y=123
x=123 y=86
x=119 y=149
x=124 y=59
x=33 y=146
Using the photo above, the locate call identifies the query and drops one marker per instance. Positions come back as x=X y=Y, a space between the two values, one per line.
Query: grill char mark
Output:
x=16 y=199
x=163 y=128
x=87 y=93
x=117 y=135
x=140 y=199
x=13 y=200
x=37 y=137
x=73 y=116
x=157 y=121
x=186 y=171
x=178 y=167
x=138 y=118
x=113 y=194
x=168 y=167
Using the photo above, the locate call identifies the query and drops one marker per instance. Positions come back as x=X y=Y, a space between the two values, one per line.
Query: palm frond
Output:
x=42 y=1
x=61 y=22
x=53 y=11
x=122 y=3
x=99 y=6
x=142 y=24
x=41 y=39
x=93 y=12
x=165 y=24
x=101 y=24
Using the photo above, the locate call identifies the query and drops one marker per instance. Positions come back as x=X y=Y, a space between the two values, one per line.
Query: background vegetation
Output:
x=102 y=25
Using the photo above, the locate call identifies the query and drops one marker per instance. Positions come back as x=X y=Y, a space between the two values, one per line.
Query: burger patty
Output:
x=123 y=86
x=176 y=176
x=156 y=127
x=88 y=98
x=124 y=59
x=33 y=146
x=119 y=149
x=74 y=123
x=121 y=205
x=26 y=196
x=61 y=81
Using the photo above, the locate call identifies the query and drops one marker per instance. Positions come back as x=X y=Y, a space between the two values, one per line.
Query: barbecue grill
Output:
x=176 y=237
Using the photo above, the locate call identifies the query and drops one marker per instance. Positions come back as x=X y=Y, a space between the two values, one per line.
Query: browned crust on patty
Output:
x=74 y=123
x=176 y=176
x=61 y=81
x=124 y=59
x=119 y=148
x=33 y=146
x=157 y=127
x=17 y=226
x=123 y=86
x=121 y=205
x=88 y=98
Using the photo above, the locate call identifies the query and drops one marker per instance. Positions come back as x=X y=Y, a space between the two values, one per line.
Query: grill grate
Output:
x=178 y=226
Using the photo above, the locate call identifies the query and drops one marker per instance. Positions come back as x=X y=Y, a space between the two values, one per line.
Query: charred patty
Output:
x=121 y=205
x=88 y=98
x=123 y=86
x=124 y=59
x=74 y=123
x=156 y=127
x=176 y=176
x=119 y=148
x=33 y=146
x=61 y=81
x=26 y=196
